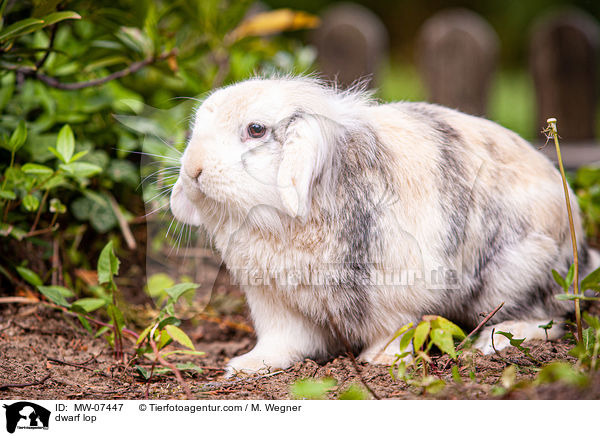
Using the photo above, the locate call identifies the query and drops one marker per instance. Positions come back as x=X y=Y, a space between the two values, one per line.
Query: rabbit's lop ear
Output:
x=305 y=154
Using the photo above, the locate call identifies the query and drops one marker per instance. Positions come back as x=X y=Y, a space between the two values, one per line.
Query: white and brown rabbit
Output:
x=341 y=216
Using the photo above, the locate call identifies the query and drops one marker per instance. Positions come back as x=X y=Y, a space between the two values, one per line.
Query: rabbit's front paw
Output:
x=255 y=363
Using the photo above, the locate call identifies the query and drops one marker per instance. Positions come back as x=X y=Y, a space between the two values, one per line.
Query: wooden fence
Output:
x=457 y=56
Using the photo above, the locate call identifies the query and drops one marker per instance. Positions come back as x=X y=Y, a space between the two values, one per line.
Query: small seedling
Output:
x=547 y=327
x=153 y=340
x=517 y=344
x=432 y=330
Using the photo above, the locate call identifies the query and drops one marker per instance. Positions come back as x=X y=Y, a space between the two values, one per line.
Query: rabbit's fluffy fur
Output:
x=349 y=219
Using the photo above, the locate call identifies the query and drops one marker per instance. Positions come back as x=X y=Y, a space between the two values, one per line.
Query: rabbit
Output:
x=343 y=219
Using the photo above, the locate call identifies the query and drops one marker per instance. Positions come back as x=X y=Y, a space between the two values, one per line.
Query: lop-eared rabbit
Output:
x=344 y=219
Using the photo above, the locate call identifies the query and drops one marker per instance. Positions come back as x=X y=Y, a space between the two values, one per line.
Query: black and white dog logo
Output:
x=26 y=415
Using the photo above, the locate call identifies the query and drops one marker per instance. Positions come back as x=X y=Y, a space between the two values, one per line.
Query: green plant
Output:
x=317 y=389
x=162 y=332
x=106 y=297
x=587 y=351
x=517 y=343
x=312 y=389
x=153 y=340
x=78 y=185
x=592 y=280
x=432 y=330
x=552 y=132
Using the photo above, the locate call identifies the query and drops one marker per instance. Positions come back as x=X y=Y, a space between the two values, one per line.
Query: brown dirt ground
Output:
x=31 y=336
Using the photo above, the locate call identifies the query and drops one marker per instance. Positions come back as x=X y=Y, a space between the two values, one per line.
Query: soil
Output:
x=46 y=354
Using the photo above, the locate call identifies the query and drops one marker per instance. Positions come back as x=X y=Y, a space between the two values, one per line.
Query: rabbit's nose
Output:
x=194 y=172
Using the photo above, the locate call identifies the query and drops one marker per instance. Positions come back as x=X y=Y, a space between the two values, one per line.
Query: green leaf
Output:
x=102 y=330
x=570 y=275
x=434 y=386
x=56 y=294
x=187 y=352
x=547 y=326
x=189 y=366
x=55 y=17
x=171 y=320
x=164 y=340
x=55 y=152
x=116 y=315
x=443 y=340
x=398 y=334
x=456 y=375
x=123 y=171
x=421 y=333
x=179 y=335
x=143 y=372
x=593 y=321
x=36 y=169
x=31 y=203
x=175 y=292
x=88 y=304
x=20 y=28
x=563 y=372
x=588 y=338
x=157 y=283
x=29 y=276
x=444 y=324
x=406 y=338
x=65 y=143
x=401 y=367
x=312 y=389
x=85 y=323
x=143 y=335
x=18 y=137
x=7 y=195
x=81 y=169
x=54 y=182
x=354 y=392
x=108 y=264
x=79 y=155
x=558 y=279
x=591 y=281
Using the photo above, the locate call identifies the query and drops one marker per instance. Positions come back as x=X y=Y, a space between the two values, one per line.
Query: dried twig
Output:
x=39 y=64
x=76 y=365
x=89 y=318
x=129 y=239
x=134 y=67
x=39 y=211
x=41 y=231
x=23 y=385
x=55 y=262
x=481 y=324
x=21 y=300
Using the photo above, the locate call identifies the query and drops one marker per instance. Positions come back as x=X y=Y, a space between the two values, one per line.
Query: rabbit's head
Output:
x=263 y=142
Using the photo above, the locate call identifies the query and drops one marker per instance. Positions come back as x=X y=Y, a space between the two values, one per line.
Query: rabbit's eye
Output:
x=256 y=130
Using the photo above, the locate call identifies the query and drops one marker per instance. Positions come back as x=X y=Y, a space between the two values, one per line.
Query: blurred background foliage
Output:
x=55 y=58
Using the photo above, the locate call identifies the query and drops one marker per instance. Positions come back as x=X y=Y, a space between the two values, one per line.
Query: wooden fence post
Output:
x=351 y=43
x=564 y=52
x=457 y=56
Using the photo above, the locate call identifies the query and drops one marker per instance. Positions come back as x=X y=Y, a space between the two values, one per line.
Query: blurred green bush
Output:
x=68 y=168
